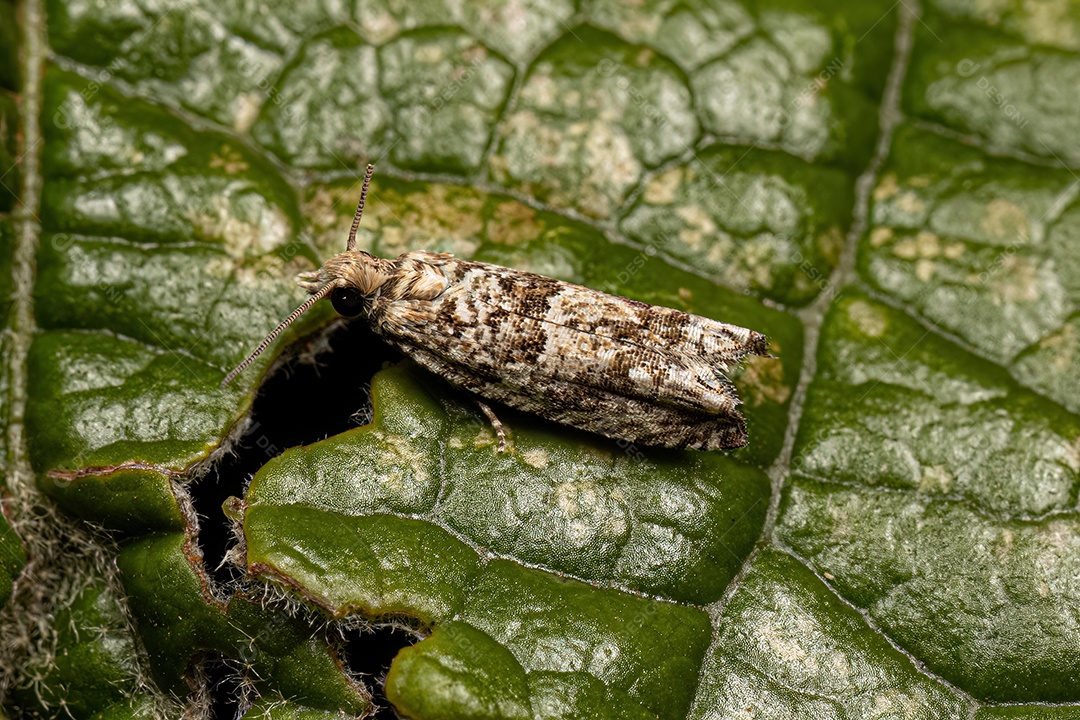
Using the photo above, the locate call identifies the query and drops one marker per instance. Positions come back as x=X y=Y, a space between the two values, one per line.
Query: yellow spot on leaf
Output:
x=936 y=478
x=880 y=235
x=910 y=203
x=886 y=188
x=1018 y=280
x=870 y=320
x=1004 y=219
x=906 y=249
x=661 y=189
x=830 y=243
x=230 y=160
x=513 y=223
x=763 y=379
x=535 y=457
x=954 y=251
x=246 y=108
x=928 y=244
x=1050 y=22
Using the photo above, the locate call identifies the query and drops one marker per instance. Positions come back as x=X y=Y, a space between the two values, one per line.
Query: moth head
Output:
x=350 y=279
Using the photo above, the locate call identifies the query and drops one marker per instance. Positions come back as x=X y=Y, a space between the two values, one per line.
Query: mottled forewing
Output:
x=527 y=331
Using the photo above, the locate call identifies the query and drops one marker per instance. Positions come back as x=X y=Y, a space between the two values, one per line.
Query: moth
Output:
x=625 y=369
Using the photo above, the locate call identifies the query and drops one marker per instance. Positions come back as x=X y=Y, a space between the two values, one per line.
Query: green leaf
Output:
x=461 y=672
x=892 y=199
x=12 y=553
x=788 y=646
x=9 y=147
x=575 y=506
x=84 y=661
x=12 y=559
x=280 y=651
x=92 y=662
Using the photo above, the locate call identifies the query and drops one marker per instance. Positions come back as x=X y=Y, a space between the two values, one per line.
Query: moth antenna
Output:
x=319 y=295
x=351 y=244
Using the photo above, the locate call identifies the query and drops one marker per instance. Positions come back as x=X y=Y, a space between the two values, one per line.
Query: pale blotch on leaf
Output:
x=763 y=381
x=661 y=189
x=404 y=465
x=760 y=257
x=605 y=656
x=556 y=262
x=636 y=24
x=719 y=256
x=513 y=223
x=954 y=251
x=450 y=207
x=269 y=230
x=1005 y=220
x=1049 y=22
x=220 y=267
x=906 y=249
x=430 y=54
x=542 y=92
x=700 y=229
x=910 y=203
x=397 y=240
x=442 y=218
x=569 y=496
x=229 y=160
x=1071 y=455
x=925 y=245
x=880 y=235
x=246 y=110
x=535 y=457
x=839 y=663
x=1018 y=280
x=321 y=205
x=831 y=244
x=1061 y=345
x=924 y=270
x=870 y=320
x=379 y=27
x=936 y=479
x=485 y=438
x=886 y=188
x=612 y=170
x=515 y=155
x=789 y=649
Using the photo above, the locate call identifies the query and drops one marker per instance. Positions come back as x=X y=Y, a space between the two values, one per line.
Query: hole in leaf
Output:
x=368 y=655
x=299 y=404
x=223 y=687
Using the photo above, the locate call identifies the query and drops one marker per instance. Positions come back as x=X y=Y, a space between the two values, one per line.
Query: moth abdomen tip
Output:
x=758 y=344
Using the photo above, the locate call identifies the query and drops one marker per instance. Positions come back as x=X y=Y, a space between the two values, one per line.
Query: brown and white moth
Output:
x=621 y=368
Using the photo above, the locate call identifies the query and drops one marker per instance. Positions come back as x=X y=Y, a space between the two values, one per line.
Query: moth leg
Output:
x=496 y=425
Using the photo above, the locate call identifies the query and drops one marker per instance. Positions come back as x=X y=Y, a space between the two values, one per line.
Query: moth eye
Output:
x=347 y=301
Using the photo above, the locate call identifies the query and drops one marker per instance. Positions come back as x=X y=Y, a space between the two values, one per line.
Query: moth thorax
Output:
x=416 y=280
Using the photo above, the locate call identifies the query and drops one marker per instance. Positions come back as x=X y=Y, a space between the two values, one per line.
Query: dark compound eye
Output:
x=347 y=301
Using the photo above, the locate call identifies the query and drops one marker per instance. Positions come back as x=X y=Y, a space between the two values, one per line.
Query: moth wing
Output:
x=527 y=331
x=633 y=420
